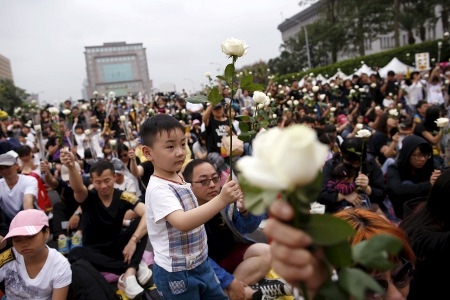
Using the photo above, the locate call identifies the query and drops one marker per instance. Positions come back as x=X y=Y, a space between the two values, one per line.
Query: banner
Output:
x=423 y=61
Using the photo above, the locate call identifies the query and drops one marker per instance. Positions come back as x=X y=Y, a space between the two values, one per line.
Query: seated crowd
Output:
x=111 y=181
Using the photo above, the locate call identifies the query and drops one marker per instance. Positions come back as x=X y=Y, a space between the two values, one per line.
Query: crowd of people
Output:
x=108 y=179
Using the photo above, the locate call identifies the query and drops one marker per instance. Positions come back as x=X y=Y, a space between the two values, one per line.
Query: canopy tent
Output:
x=364 y=69
x=397 y=66
x=320 y=77
x=339 y=74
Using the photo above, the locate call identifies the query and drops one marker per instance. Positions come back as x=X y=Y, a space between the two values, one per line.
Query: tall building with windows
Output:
x=290 y=27
x=118 y=67
x=5 y=68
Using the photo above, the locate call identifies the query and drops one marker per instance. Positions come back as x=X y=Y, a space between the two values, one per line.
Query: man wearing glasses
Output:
x=239 y=262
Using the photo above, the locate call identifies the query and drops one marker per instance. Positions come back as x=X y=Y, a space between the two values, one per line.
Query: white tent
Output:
x=364 y=69
x=339 y=74
x=397 y=66
x=320 y=77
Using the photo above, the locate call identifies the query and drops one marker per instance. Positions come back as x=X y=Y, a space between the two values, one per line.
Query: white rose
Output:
x=390 y=94
x=269 y=94
x=66 y=112
x=112 y=94
x=112 y=142
x=399 y=105
x=356 y=87
x=267 y=102
x=295 y=102
x=352 y=91
x=33 y=101
x=122 y=118
x=363 y=133
x=207 y=74
x=373 y=85
x=274 y=116
x=37 y=128
x=289 y=102
x=261 y=106
x=167 y=111
x=234 y=47
x=259 y=97
x=393 y=112
x=441 y=122
x=322 y=96
x=362 y=62
x=333 y=109
x=315 y=89
x=183 y=111
x=377 y=107
x=280 y=86
x=446 y=34
x=331 y=85
x=253 y=108
x=87 y=132
x=447 y=81
x=362 y=90
x=278 y=169
x=359 y=126
x=95 y=93
x=304 y=90
x=177 y=111
x=53 y=110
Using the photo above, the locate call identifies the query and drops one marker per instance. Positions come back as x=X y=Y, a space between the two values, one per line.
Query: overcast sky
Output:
x=45 y=39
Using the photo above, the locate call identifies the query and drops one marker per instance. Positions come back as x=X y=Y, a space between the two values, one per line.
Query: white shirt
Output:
x=55 y=274
x=194 y=107
x=11 y=200
x=127 y=185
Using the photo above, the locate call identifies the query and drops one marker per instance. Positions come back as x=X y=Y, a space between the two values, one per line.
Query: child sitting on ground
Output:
x=30 y=269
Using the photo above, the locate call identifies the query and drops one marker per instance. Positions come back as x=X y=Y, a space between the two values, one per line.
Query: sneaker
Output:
x=63 y=245
x=76 y=241
x=130 y=286
x=143 y=274
x=268 y=289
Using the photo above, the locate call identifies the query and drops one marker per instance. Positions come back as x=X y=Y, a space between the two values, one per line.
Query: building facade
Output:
x=5 y=68
x=116 y=67
x=293 y=25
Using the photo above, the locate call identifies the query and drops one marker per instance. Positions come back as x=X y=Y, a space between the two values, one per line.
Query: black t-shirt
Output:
x=148 y=171
x=215 y=130
x=102 y=225
x=220 y=238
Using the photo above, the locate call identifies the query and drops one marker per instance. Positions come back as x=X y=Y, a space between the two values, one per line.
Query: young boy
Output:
x=174 y=219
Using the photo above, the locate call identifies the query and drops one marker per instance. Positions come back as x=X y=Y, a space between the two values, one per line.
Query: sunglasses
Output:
x=400 y=277
x=206 y=182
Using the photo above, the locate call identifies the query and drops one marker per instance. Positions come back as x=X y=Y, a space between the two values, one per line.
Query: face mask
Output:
x=90 y=161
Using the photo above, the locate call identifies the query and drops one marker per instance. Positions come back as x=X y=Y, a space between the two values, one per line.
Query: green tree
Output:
x=10 y=96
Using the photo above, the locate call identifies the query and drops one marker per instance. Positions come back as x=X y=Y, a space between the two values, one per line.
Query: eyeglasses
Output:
x=421 y=155
x=206 y=182
x=400 y=277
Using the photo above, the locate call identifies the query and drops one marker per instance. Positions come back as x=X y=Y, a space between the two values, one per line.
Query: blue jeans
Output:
x=198 y=283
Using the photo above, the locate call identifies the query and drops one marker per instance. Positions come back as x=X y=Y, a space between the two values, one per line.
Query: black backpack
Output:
x=89 y=284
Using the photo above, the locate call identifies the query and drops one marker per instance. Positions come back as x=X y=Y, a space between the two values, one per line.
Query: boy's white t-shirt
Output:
x=55 y=273
x=174 y=250
x=11 y=200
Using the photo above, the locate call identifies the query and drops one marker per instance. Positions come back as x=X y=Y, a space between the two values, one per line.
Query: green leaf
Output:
x=221 y=77
x=339 y=255
x=264 y=124
x=246 y=80
x=356 y=282
x=243 y=126
x=330 y=290
x=229 y=73
x=244 y=138
x=327 y=230
x=254 y=87
x=256 y=199
x=252 y=120
x=242 y=118
x=214 y=96
x=374 y=253
x=197 y=99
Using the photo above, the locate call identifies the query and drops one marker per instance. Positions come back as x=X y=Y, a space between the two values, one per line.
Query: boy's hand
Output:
x=67 y=158
x=231 y=192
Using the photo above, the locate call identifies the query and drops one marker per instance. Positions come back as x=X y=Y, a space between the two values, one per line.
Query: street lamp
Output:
x=217 y=64
x=308 y=54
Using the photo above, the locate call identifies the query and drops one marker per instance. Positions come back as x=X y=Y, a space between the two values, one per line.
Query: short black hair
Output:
x=100 y=166
x=23 y=150
x=189 y=169
x=158 y=124
x=352 y=149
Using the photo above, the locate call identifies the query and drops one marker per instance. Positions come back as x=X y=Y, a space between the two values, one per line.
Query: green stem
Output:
x=230 y=121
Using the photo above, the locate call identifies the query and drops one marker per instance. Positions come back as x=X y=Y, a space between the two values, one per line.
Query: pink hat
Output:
x=195 y=122
x=27 y=222
x=342 y=119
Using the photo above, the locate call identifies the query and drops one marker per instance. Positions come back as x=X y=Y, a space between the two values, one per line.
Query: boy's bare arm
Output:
x=188 y=220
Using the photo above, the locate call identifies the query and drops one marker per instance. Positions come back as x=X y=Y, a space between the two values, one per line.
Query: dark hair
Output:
x=100 y=166
x=391 y=73
x=158 y=124
x=121 y=147
x=432 y=113
x=23 y=150
x=420 y=103
x=352 y=149
x=342 y=171
x=189 y=169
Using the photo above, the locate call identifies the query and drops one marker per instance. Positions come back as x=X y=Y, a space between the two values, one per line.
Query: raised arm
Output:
x=80 y=191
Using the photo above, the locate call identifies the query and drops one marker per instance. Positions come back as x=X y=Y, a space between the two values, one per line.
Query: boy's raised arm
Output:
x=80 y=191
